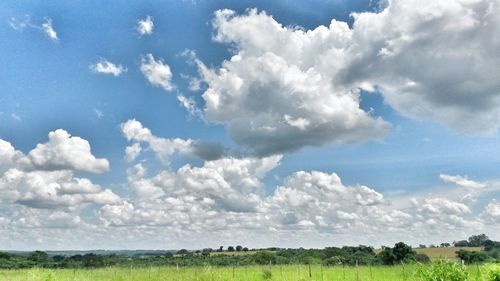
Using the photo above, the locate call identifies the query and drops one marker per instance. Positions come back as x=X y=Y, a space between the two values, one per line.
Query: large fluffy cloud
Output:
x=285 y=87
x=274 y=96
x=64 y=151
x=433 y=60
x=44 y=178
x=52 y=189
x=316 y=199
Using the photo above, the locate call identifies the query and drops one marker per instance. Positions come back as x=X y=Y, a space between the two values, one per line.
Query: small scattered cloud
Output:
x=15 y=116
x=145 y=26
x=157 y=72
x=46 y=26
x=19 y=25
x=49 y=30
x=106 y=67
x=99 y=113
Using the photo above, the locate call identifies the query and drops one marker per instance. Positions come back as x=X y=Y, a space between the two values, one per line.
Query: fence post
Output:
x=321 y=267
x=403 y=268
x=310 y=273
x=357 y=271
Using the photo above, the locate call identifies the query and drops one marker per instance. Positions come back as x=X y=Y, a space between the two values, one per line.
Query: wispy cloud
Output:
x=49 y=29
x=46 y=27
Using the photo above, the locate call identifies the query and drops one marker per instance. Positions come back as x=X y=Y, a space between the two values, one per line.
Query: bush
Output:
x=267 y=274
x=472 y=256
x=264 y=257
x=443 y=270
x=492 y=272
x=422 y=258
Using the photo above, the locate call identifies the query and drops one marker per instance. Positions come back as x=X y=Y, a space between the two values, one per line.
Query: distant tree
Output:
x=461 y=243
x=401 y=252
x=264 y=257
x=5 y=256
x=422 y=246
x=39 y=258
x=239 y=248
x=182 y=252
x=445 y=245
x=92 y=260
x=387 y=256
x=221 y=248
x=245 y=249
x=58 y=258
x=477 y=240
x=230 y=249
x=472 y=256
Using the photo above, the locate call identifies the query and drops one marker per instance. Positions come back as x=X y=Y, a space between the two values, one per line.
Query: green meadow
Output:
x=284 y=273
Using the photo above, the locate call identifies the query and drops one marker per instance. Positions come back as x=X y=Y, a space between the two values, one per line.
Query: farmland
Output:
x=285 y=272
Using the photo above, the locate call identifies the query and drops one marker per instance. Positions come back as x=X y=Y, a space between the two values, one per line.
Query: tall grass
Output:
x=250 y=273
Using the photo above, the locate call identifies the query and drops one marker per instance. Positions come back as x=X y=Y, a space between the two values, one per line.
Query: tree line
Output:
x=329 y=256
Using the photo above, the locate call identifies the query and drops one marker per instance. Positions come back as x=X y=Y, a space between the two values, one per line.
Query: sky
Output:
x=194 y=124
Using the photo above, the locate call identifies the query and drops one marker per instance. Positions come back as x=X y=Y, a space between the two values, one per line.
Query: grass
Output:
x=207 y=273
x=444 y=253
x=440 y=253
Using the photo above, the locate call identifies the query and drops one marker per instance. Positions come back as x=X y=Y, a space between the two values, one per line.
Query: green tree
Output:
x=477 y=240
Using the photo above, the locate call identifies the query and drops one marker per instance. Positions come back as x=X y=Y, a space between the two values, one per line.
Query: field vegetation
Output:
x=400 y=262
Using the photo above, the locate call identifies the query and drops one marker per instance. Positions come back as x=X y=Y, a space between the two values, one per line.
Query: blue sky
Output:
x=412 y=134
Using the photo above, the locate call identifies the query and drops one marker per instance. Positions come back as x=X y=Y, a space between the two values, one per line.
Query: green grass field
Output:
x=251 y=273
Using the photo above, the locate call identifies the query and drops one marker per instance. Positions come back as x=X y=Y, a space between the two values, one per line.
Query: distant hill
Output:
x=129 y=253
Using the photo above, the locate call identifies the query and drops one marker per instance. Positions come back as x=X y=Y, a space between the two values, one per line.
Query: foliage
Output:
x=267 y=274
x=492 y=272
x=400 y=253
x=443 y=270
x=472 y=256
x=294 y=272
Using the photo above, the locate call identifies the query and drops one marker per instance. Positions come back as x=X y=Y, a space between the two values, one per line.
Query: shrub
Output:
x=443 y=270
x=267 y=274
x=492 y=272
x=422 y=258
x=264 y=257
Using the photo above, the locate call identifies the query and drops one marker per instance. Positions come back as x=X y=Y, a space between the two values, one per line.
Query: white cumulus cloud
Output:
x=106 y=67
x=145 y=26
x=64 y=151
x=134 y=131
x=157 y=72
